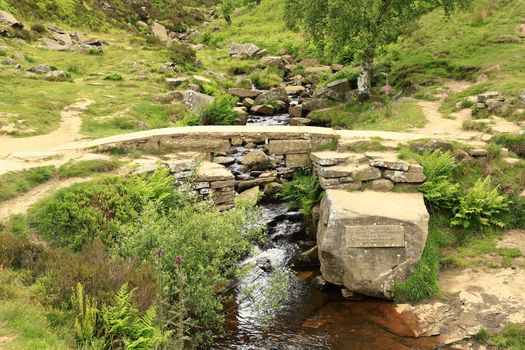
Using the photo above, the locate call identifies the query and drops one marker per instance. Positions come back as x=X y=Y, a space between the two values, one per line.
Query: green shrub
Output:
x=114 y=77
x=39 y=28
x=181 y=54
x=481 y=207
x=441 y=193
x=268 y=78
x=512 y=337
x=303 y=192
x=195 y=249
x=515 y=143
x=123 y=327
x=220 y=112
x=15 y=183
x=101 y=274
x=18 y=253
x=86 y=168
x=101 y=208
x=438 y=164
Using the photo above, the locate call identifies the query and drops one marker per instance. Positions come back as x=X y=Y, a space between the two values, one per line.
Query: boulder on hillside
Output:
x=243 y=93
x=196 y=101
x=300 y=121
x=341 y=86
x=276 y=61
x=10 y=20
x=63 y=39
x=316 y=104
x=256 y=159
x=56 y=75
x=40 y=69
x=277 y=94
x=248 y=50
x=370 y=241
x=159 y=31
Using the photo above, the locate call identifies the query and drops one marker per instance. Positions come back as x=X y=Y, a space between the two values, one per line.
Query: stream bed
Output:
x=307 y=318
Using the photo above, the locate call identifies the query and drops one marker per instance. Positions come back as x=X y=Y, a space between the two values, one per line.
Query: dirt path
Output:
x=68 y=131
x=20 y=204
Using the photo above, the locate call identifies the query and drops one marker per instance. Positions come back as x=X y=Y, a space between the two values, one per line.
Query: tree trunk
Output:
x=364 y=82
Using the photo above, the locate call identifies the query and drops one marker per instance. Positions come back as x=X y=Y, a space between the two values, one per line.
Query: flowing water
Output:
x=296 y=316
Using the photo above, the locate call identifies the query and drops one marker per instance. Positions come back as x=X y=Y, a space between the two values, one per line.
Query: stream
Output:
x=294 y=315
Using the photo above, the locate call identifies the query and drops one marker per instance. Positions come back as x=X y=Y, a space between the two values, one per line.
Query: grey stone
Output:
x=382 y=185
x=159 y=31
x=413 y=175
x=263 y=109
x=56 y=75
x=277 y=94
x=296 y=111
x=197 y=101
x=255 y=158
x=369 y=241
x=224 y=160
x=299 y=160
x=341 y=86
x=300 y=121
x=9 y=19
x=40 y=69
x=478 y=152
x=244 y=185
x=482 y=98
x=247 y=50
x=243 y=93
x=316 y=104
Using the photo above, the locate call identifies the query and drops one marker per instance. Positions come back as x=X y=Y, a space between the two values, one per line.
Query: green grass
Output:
x=514 y=143
x=86 y=168
x=401 y=115
x=13 y=184
x=511 y=337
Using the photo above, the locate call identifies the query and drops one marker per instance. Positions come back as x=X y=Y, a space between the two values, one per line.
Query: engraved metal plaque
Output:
x=375 y=236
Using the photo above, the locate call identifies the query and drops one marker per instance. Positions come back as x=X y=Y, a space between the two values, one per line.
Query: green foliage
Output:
x=481 y=207
x=220 y=112
x=514 y=143
x=267 y=78
x=361 y=25
x=14 y=183
x=86 y=168
x=101 y=208
x=512 y=337
x=194 y=249
x=181 y=54
x=114 y=77
x=437 y=165
x=124 y=327
x=39 y=28
x=303 y=192
x=476 y=126
x=18 y=253
x=87 y=314
x=423 y=283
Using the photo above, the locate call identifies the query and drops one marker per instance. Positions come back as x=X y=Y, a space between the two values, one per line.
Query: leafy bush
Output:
x=86 y=168
x=14 y=183
x=181 y=54
x=39 y=28
x=101 y=274
x=303 y=192
x=515 y=143
x=441 y=192
x=437 y=165
x=482 y=206
x=220 y=112
x=18 y=253
x=101 y=208
x=195 y=249
x=114 y=77
x=267 y=78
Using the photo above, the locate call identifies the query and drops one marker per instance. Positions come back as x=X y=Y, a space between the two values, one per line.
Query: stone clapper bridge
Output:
x=368 y=239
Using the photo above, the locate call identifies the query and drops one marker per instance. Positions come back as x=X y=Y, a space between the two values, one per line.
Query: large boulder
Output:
x=159 y=31
x=9 y=19
x=369 y=241
x=248 y=50
x=243 y=93
x=277 y=94
x=196 y=101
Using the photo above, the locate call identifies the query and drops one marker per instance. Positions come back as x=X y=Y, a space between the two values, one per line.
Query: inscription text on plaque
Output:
x=375 y=236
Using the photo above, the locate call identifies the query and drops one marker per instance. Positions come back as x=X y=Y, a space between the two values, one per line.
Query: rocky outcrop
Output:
x=245 y=51
x=369 y=241
x=10 y=20
x=197 y=101
x=273 y=95
x=159 y=31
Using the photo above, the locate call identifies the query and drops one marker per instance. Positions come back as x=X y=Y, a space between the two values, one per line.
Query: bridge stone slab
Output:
x=369 y=241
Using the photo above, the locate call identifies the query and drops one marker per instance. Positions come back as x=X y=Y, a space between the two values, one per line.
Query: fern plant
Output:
x=438 y=165
x=303 y=192
x=482 y=206
x=124 y=328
